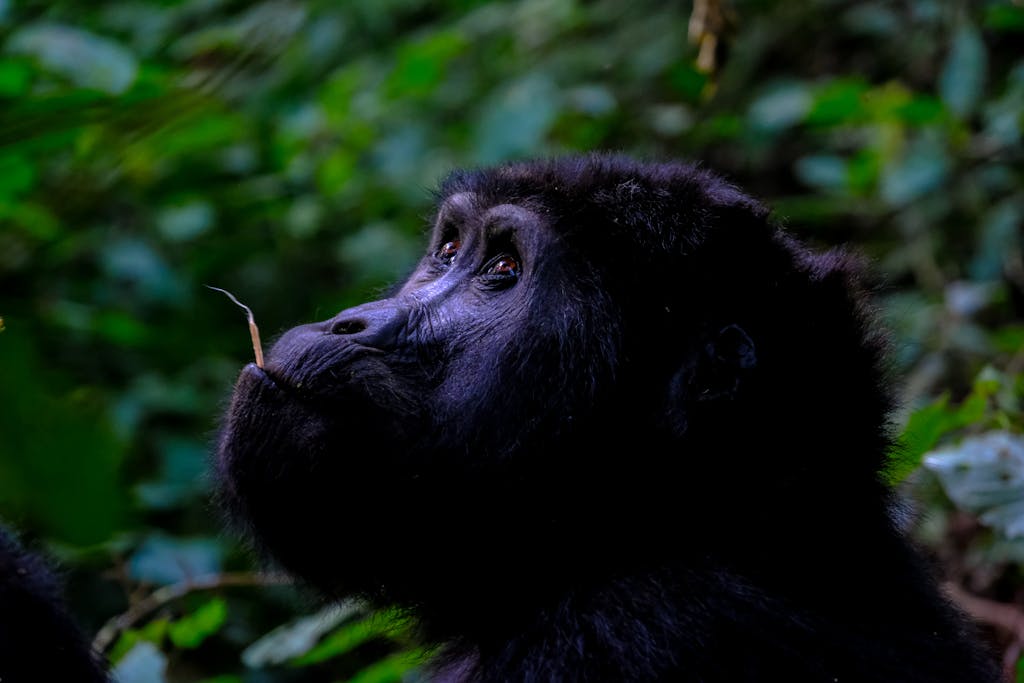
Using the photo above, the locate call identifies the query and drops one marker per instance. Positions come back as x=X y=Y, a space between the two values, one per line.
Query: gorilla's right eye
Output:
x=448 y=251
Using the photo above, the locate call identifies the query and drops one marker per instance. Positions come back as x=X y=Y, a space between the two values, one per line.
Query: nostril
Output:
x=351 y=326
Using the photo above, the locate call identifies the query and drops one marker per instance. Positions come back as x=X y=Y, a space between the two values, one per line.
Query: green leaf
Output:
x=999 y=239
x=421 y=64
x=392 y=669
x=204 y=131
x=120 y=327
x=165 y=560
x=1003 y=16
x=181 y=477
x=1009 y=339
x=516 y=119
x=822 y=171
x=781 y=106
x=84 y=58
x=927 y=425
x=920 y=110
x=963 y=75
x=863 y=171
x=60 y=460
x=336 y=171
x=921 y=170
x=688 y=81
x=347 y=638
x=15 y=78
x=304 y=217
x=984 y=475
x=185 y=220
x=30 y=218
x=152 y=632
x=191 y=630
x=924 y=429
x=17 y=175
x=872 y=19
x=141 y=265
x=143 y=664
x=725 y=126
x=298 y=637
x=838 y=102
x=378 y=251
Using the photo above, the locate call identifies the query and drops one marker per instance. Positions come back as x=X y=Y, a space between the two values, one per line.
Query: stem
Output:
x=254 y=331
x=162 y=596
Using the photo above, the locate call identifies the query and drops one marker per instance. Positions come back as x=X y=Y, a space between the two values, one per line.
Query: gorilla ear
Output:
x=713 y=371
x=733 y=346
x=716 y=370
x=721 y=364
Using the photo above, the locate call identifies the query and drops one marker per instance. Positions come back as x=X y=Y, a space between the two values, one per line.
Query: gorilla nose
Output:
x=378 y=323
x=348 y=326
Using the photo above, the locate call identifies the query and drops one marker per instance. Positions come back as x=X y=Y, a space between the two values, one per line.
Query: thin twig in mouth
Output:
x=254 y=331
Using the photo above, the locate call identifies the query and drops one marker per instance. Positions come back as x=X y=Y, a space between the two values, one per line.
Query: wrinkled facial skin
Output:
x=407 y=411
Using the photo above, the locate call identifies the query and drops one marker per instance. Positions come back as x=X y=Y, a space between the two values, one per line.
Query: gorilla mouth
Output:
x=284 y=451
x=279 y=427
x=263 y=380
x=271 y=378
x=252 y=373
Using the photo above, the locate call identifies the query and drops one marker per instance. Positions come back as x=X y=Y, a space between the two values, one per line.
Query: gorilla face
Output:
x=587 y=347
x=409 y=410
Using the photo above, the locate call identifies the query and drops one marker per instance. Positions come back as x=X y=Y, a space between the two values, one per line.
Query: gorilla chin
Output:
x=288 y=455
x=268 y=443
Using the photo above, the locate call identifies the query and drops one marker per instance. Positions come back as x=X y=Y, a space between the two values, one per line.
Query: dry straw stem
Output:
x=254 y=331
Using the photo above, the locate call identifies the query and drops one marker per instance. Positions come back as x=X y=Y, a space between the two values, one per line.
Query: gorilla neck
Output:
x=509 y=560
x=535 y=609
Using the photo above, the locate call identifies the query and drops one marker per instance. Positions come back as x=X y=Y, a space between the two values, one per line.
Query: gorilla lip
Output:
x=259 y=374
x=271 y=380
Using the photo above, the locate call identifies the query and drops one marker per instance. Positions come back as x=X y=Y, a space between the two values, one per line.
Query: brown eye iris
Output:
x=504 y=266
x=448 y=251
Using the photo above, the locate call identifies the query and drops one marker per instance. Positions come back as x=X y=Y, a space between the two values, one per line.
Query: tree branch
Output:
x=166 y=594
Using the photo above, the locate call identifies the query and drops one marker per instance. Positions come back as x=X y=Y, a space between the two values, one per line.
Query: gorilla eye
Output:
x=504 y=266
x=448 y=251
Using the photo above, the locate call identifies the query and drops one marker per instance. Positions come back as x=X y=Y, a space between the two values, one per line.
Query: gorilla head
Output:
x=614 y=410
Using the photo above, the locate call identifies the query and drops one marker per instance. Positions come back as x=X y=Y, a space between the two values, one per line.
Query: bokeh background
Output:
x=286 y=150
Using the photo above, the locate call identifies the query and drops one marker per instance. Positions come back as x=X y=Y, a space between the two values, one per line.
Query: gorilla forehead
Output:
x=521 y=222
x=666 y=205
x=584 y=177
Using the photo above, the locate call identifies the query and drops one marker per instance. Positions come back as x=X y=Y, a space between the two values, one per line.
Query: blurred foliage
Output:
x=285 y=150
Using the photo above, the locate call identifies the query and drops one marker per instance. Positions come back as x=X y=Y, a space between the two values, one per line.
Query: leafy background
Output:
x=285 y=150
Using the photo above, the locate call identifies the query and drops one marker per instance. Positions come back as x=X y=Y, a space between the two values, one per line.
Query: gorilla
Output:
x=39 y=639
x=616 y=425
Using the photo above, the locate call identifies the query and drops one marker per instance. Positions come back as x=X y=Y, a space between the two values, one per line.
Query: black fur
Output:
x=651 y=454
x=39 y=641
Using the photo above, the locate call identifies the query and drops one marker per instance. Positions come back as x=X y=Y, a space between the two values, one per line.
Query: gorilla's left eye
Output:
x=504 y=266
